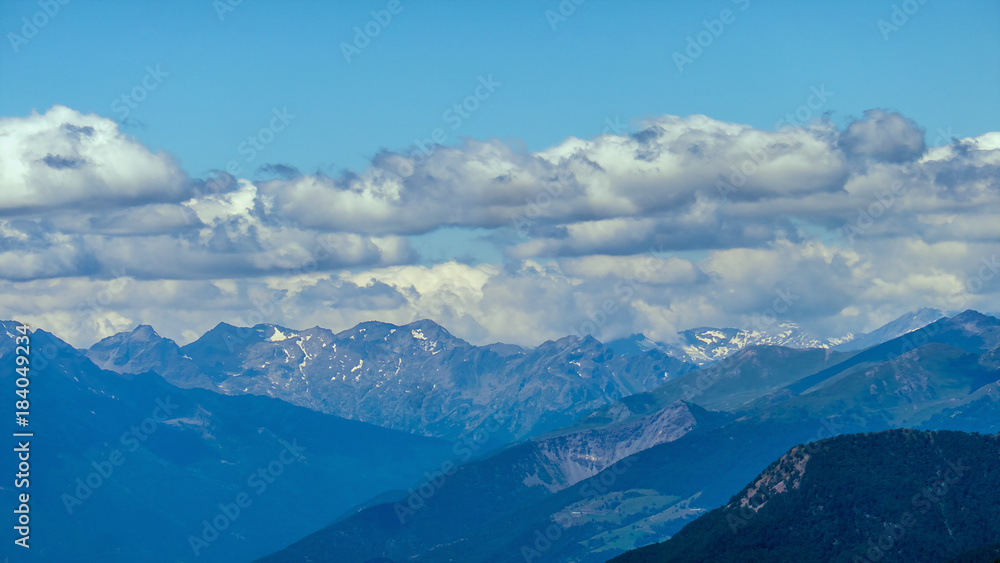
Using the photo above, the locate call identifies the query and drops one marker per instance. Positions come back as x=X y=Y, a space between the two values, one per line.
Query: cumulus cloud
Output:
x=83 y=199
x=62 y=157
x=687 y=222
x=883 y=136
x=673 y=163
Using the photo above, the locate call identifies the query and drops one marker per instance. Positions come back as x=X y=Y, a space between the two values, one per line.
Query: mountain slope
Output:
x=905 y=391
x=131 y=466
x=899 y=495
x=463 y=504
x=897 y=327
x=969 y=331
x=730 y=385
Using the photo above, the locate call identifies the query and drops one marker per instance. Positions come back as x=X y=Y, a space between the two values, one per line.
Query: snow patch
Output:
x=279 y=336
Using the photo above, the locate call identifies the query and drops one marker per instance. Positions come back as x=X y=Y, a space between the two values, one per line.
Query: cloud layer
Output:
x=686 y=222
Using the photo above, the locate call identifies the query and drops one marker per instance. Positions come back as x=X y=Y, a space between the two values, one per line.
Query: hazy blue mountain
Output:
x=466 y=503
x=732 y=384
x=705 y=345
x=899 y=495
x=652 y=493
x=417 y=378
x=143 y=350
x=893 y=329
x=642 y=498
x=127 y=467
x=970 y=331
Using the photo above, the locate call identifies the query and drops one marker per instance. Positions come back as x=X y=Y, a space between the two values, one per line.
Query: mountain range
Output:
x=419 y=378
x=943 y=376
x=416 y=378
x=418 y=446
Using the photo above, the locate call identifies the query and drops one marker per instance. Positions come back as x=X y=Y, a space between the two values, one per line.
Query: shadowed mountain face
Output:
x=649 y=489
x=416 y=378
x=922 y=496
x=130 y=468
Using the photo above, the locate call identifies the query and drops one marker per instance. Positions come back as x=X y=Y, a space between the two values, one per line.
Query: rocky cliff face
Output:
x=565 y=460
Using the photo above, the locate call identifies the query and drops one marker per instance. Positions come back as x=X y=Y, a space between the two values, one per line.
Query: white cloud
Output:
x=691 y=221
x=63 y=157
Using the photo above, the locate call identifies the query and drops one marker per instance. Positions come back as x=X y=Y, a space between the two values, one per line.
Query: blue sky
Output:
x=606 y=61
x=592 y=167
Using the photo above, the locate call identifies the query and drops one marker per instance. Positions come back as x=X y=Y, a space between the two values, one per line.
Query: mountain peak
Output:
x=425 y=329
x=632 y=345
x=224 y=336
x=427 y=326
x=970 y=315
x=145 y=332
x=222 y=327
x=368 y=330
x=140 y=335
x=275 y=333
